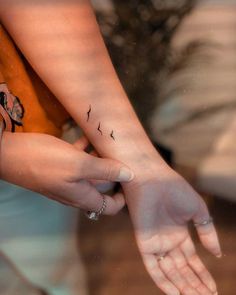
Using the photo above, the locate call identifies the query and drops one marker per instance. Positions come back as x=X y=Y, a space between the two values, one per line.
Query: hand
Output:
x=59 y=170
x=161 y=204
x=102 y=186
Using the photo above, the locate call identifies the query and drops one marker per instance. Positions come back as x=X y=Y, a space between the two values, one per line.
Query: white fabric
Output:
x=38 y=241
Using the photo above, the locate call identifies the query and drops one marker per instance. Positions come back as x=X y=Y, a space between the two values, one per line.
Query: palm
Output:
x=164 y=232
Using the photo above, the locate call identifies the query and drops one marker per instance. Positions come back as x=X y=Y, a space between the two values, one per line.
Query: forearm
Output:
x=61 y=40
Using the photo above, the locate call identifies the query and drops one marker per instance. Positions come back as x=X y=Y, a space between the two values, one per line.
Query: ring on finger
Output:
x=204 y=222
x=94 y=215
x=161 y=257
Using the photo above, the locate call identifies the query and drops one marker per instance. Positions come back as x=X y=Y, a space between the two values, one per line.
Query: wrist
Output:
x=147 y=167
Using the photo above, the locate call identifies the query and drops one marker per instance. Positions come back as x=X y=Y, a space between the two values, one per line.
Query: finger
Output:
x=196 y=264
x=114 y=204
x=187 y=273
x=152 y=266
x=82 y=143
x=172 y=273
x=104 y=169
x=102 y=186
x=207 y=233
x=84 y=196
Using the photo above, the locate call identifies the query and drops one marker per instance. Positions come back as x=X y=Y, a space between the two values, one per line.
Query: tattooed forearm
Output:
x=99 y=128
x=99 y=125
x=88 y=113
x=112 y=135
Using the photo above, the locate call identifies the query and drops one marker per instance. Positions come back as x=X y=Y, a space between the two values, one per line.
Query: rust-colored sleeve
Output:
x=43 y=113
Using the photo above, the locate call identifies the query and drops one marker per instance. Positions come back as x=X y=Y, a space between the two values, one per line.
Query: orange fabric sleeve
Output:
x=43 y=112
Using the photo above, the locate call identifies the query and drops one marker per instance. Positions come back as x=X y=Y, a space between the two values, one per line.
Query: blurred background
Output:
x=177 y=62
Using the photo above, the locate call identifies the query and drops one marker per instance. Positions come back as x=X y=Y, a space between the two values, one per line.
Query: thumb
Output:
x=82 y=143
x=206 y=232
x=105 y=169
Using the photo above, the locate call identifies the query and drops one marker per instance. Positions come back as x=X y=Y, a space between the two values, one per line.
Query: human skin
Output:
x=62 y=42
x=60 y=171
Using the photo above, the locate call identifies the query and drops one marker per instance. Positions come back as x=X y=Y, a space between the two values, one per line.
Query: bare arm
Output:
x=61 y=40
x=74 y=63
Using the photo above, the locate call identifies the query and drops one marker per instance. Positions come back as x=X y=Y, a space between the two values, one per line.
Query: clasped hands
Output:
x=161 y=203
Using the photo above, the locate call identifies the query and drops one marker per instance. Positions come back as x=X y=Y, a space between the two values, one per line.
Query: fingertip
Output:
x=213 y=287
x=125 y=175
x=213 y=247
x=209 y=239
x=215 y=250
x=81 y=143
x=114 y=204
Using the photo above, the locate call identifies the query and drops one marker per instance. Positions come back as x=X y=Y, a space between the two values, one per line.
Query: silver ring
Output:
x=94 y=215
x=204 y=222
x=161 y=257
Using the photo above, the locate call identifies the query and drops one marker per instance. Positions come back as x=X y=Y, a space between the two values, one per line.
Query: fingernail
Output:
x=219 y=255
x=125 y=175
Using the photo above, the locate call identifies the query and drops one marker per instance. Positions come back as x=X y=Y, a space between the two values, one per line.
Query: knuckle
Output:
x=80 y=165
x=75 y=171
x=109 y=172
x=85 y=189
